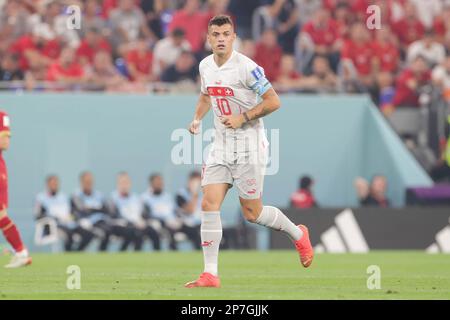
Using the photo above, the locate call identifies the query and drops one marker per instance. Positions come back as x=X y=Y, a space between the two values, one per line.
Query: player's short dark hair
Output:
x=153 y=176
x=220 y=20
x=122 y=173
x=51 y=177
x=305 y=182
x=84 y=173
x=195 y=174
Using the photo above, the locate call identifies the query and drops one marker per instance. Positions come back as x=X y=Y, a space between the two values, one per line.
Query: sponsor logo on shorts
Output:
x=251 y=182
x=253 y=191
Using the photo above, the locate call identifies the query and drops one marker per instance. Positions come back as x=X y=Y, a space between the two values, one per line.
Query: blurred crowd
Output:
x=303 y=45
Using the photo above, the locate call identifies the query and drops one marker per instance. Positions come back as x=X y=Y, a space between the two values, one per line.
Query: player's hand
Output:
x=234 y=121
x=194 y=127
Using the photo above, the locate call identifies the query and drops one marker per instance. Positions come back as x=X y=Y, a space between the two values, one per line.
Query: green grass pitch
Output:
x=244 y=275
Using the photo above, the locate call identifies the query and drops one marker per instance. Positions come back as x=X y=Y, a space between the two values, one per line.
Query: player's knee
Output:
x=3 y=213
x=208 y=205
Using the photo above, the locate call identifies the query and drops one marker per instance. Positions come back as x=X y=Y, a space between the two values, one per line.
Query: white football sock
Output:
x=22 y=254
x=211 y=234
x=273 y=218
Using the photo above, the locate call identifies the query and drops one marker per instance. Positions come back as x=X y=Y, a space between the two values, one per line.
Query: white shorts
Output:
x=246 y=170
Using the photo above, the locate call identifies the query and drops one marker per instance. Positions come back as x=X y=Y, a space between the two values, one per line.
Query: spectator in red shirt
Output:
x=409 y=28
x=442 y=23
x=357 y=60
x=139 y=62
x=303 y=198
x=193 y=22
x=66 y=69
x=92 y=43
x=37 y=50
x=288 y=78
x=385 y=50
x=268 y=54
x=408 y=84
x=320 y=36
x=344 y=19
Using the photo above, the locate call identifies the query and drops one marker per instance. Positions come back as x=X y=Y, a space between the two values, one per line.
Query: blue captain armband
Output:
x=262 y=84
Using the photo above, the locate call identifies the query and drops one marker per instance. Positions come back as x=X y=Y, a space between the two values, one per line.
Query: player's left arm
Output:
x=270 y=103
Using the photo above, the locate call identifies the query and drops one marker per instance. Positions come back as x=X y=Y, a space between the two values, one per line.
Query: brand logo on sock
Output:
x=207 y=243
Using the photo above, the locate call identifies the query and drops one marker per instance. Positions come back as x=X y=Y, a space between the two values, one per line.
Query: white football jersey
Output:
x=234 y=88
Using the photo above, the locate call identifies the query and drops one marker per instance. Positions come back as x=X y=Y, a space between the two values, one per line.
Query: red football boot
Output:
x=304 y=247
x=206 y=279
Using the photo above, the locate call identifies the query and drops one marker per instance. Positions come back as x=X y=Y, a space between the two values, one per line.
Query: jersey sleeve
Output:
x=255 y=78
x=202 y=81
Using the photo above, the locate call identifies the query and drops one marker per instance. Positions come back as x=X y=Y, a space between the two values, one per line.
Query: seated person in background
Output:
x=54 y=204
x=184 y=69
x=9 y=68
x=66 y=69
x=159 y=206
x=288 y=78
x=322 y=78
x=189 y=201
x=92 y=43
x=38 y=49
x=167 y=51
x=358 y=60
x=268 y=54
x=303 y=198
x=373 y=195
x=89 y=208
x=127 y=211
x=103 y=75
x=427 y=47
x=139 y=60
x=320 y=36
x=409 y=83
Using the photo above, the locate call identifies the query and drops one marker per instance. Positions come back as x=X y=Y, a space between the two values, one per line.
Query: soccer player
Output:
x=9 y=229
x=230 y=85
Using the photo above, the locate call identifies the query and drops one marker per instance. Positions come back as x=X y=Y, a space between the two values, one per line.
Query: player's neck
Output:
x=220 y=60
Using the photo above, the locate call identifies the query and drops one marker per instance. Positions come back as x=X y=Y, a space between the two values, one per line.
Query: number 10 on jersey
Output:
x=224 y=106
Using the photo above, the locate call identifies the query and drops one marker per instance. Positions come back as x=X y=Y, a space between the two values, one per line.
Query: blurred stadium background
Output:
x=364 y=122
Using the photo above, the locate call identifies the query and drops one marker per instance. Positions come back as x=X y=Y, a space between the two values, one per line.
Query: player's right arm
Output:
x=202 y=108
x=203 y=104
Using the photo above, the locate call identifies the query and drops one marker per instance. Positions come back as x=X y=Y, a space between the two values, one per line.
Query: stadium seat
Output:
x=407 y=121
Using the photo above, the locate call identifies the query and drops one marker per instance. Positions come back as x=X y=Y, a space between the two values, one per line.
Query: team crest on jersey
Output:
x=257 y=73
